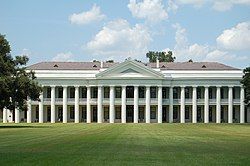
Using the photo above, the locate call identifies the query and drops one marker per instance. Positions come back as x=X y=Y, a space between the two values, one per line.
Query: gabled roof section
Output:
x=130 y=69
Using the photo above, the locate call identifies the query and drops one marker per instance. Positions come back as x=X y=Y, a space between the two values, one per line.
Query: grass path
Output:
x=124 y=144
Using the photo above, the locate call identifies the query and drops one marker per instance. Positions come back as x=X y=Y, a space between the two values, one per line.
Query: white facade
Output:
x=131 y=92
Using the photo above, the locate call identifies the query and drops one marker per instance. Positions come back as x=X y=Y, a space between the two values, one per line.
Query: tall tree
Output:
x=246 y=84
x=161 y=56
x=16 y=83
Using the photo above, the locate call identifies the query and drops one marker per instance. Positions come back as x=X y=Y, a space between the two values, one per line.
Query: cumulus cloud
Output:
x=219 y=5
x=63 y=57
x=183 y=50
x=151 y=10
x=236 y=38
x=223 y=56
x=87 y=17
x=172 y=6
x=118 y=39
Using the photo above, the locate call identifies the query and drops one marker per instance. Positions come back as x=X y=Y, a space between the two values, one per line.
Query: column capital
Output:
x=206 y=86
x=64 y=86
x=123 y=86
x=159 y=86
x=195 y=86
x=218 y=86
x=182 y=86
x=76 y=86
x=52 y=86
x=136 y=85
x=100 y=86
x=147 y=86
x=230 y=86
x=111 y=86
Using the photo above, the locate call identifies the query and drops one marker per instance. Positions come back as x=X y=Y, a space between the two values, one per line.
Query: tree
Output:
x=246 y=84
x=161 y=56
x=16 y=83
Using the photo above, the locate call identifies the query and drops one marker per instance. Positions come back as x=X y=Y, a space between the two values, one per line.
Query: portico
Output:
x=131 y=92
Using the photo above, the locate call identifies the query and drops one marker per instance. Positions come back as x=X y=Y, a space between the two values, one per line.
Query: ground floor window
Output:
x=175 y=112
x=153 y=113
x=72 y=113
x=187 y=113
x=117 y=114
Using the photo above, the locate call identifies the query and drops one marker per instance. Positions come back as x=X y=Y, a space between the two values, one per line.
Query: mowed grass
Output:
x=124 y=144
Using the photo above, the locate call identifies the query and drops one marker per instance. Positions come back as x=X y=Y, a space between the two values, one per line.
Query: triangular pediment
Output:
x=130 y=69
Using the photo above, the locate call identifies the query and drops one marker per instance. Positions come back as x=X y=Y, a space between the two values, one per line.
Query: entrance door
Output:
x=130 y=113
x=94 y=114
x=60 y=114
x=164 y=114
x=48 y=114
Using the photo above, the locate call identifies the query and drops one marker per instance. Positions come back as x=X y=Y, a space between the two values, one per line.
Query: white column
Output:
x=29 y=116
x=41 y=108
x=218 y=105
x=230 y=104
x=206 y=105
x=182 y=120
x=171 y=104
x=147 y=104
x=136 y=103
x=17 y=115
x=4 y=115
x=88 y=104
x=65 y=100
x=242 y=105
x=99 y=105
x=159 y=104
x=111 y=104
x=53 y=107
x=123 y=104
x=77 y=118
x=194 y=106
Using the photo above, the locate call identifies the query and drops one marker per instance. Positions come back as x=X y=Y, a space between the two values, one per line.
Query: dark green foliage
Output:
x=161 y=56
x=16 y=84
x=246 y=84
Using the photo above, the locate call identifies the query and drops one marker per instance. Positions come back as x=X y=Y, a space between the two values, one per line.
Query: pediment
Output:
x=130 y=69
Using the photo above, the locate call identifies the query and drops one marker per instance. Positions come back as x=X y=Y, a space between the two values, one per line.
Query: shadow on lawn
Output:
x=14 y=127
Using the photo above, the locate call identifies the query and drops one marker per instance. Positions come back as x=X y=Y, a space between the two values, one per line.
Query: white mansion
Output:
x=135 y=92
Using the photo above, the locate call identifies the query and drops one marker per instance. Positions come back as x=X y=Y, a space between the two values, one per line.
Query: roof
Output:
x=162 y=65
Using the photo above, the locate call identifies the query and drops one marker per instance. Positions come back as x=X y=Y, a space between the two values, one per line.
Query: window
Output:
x=187 y=93
x=71 y=92
x=175 y=93
x=94 y=92
x=164 y=93
x=72 y=113
x=222 y=93
x=117 y=114
x=234 y=90
x=37 y=112
x=210 y=93
x=106 y=92
x=198 y=93
x=84 y=113
x=222 y=113
x=118 y=92
x=141 y=92
x=175 y=112
x=48 y=92
x=153 y=92
x=130 y=92
x=234 y=113
x=60 y=92
x=84 y=92
x=153 y=113
x=187 y=113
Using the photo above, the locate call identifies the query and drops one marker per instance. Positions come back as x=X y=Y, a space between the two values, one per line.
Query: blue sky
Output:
x=83 y=30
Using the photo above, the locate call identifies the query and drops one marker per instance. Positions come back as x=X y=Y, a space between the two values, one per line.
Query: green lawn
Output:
x=124 y=144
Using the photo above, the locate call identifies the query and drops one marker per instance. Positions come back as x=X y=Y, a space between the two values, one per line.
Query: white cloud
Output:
x=63 y=57
x=236 y=38
x=172 y=6
x=87 y=17
x=223 y=56
x=25 y=52
x=183 y=50
x=219 y=5
x=222 y=5
x=118 y=39
x=151 y=10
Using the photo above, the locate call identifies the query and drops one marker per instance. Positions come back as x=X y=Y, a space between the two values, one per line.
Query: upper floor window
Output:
x=141 y=92
x=94 y=92
x=175 y=93
x=84 y=92
x=198 y=93
x=48 y=92
x=106 y=92
x=71 y=92
x=164 y=92
x=210 y=93
x=60 y=92
x=153 y=92
x=118 y=92
x=187 y=93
